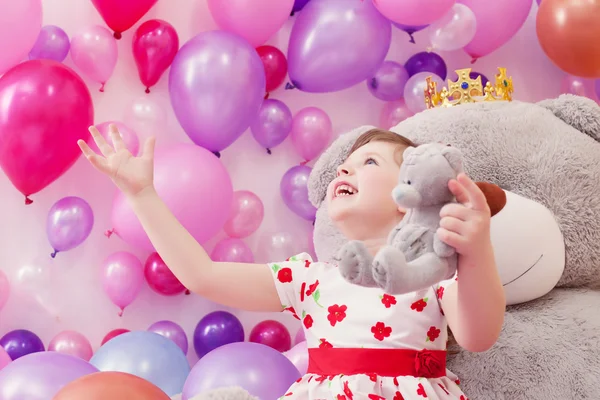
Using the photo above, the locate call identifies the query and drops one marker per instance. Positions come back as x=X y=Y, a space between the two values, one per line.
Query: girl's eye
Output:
x=370 y=161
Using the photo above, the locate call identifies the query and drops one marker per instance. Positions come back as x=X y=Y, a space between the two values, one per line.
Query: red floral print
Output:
x=395 y=381
x=306 y=263
x=284 y=275
x=337 y=314
x=341 y=397
x=347 y=391
x=293 y=311
x=398 y=396
x=376 y=397
x=321 y=378
x=372 y=377
x=299 y=380
x=421 y=390
x=312 y=288
x=419 y=305
x=457 y=382
x=388 y=300
x=324 y=344
x=307 y=320
x=302 y=287
x=440 y=292
x=443 y=388
x=462 y=397
x=433 y=333
x=380 y=331
x=288 y=394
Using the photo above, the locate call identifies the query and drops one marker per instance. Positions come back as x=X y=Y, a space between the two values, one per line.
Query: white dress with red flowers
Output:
x=335 y=313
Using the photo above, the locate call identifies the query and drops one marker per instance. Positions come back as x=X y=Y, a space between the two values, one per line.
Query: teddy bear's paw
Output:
x=355 y=264
x=388 y=265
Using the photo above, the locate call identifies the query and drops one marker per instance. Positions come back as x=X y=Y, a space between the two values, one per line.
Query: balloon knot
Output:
x=412 y=38
x=473 y=60
x=304 y=162
x=187 y=292
x=117 y=35
x=314 y=220
x=216 y=153
x=54 y=253
x=289 y=86
x=147 y=90
x=121 y=312
x=292 y=14
x=269 y=151
x=109 y=233
x=373 y=83
x=102 y=87
x=266 y=95
x=28 y=201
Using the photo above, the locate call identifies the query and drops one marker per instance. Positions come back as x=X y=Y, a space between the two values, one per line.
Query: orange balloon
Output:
x=569 y=33
x=110 y=386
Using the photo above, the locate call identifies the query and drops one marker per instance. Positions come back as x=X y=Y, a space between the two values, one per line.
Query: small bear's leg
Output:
x=355 y=264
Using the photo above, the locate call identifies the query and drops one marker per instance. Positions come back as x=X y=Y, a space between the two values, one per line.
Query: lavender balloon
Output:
x=426 y=62
x=69 y=223
x=336 y=44
x=40 y=376
x=217 y=84
x=52 y=44
x=388 y=82
x=246 y=365
x=410 y=30
x=215 y=330
x=414 y=91
x=272 y=124
x=298 y=355
x=232 y=250
x=21 y=342
x=172 y=331
x=294 y=192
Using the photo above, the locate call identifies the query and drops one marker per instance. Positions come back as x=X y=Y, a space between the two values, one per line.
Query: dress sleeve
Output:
x=442 y=286
x=290 y=277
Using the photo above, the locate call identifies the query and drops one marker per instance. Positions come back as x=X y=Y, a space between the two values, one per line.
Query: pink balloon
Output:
x=578 y=86
x=122 y=278
x=454 y=30
x=72 y=343
x=20 y=25
x=254 y=20
x=311 y=132
x=298 y=355
x=492 y=32
x=413 y=12
x=232 y=250
x=4 y=289
x=394 y=112
x=129 y=137
x=45 y=109
x=247 y=213
x=300 y=336
x=160 y=278
x=94 y=52
x=4 y=358
x=195 y=186
x=273 y=334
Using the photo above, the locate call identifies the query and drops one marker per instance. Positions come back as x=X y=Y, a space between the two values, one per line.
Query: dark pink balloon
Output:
x=275 y=65
x=160 y=278
x=45 y=108
x=273 y=334
x=114 y=333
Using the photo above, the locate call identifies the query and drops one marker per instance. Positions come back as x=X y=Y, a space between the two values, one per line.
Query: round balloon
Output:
x=247 y=214
x=4 y=358
x=413 y=12
x=69 y=223
x=298 y=355
x=71 y=343
x=215 y=330
x=52 y=44
x=21 y=342
x=300 y=336
x=122 y=278
x=47 y=109
x=160 y=278
x=272 y=125
x=171 y=330
x=394 y=112
x=122 y=15
x=20 y=24
x=273 y=334
x=275 y=65
x=94 y=52
x=294 y=192
x=232 y=250
x=426 y=62
x=112 y=334
x=388 y=82
x=130 y=138
x=147 y=355
x=414 y=91
x=312 y=132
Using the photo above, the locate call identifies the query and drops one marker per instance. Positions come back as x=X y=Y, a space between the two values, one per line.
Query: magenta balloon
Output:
x=272 y=124
x=298 y=356
x=336 y=44
x=311 y=132
x=393 y=113
x=300 y=336
x=413 y=12
x=70 y=222
x=217 y=85
x=388 y=82
x=4 y=358
x=492 y=32
x=72 y=343
x=160 y=278
x=171 y=330
x=195 y=186
x=247 y=213
x=232 y=250
x=273 y=334
x=122 y=278
x=44 y=109
x=129 y=137
x=294 y=192
x=52 y=44
x=4 y=289
x=20 y=24
x=414 y=91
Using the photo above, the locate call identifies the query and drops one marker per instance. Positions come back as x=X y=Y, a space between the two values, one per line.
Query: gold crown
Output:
x=468 y=90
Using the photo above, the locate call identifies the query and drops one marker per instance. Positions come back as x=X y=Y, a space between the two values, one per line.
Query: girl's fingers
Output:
x=476 y=197
x=453 y=225
x=98 y=162
x=104 y=147
x=452 y=239
x=148 y=151
x=117 y=139
x=456 y=210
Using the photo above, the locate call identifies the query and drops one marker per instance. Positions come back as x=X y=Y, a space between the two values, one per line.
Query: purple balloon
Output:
x=299 y=5
x=232 y=250
x=272 y=124
x=298 y=355
x=20 y=342
x=426 y=62
x=335 y=44
x=294 y=192
x=172 y=331
x=410 y=29
x=40 y=376
x=262 y=371
x=217 y=85
x=215 y=330
x=388 y=82
x=300 y=336
x=69 y=223
x=52 y=44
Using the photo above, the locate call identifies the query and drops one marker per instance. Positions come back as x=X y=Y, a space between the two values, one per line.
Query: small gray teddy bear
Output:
x=415 y=257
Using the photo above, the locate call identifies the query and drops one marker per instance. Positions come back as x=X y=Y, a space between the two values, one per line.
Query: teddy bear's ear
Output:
x=407 y=152
x=580 y=112
x=454 y=157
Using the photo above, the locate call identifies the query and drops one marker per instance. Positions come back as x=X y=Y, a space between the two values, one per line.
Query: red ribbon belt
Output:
x=382 y=362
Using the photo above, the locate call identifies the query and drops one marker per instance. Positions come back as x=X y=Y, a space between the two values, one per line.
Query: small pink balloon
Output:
x=232 y=250
x=246 y=215
x=130 y=138
x=413 y=12
x=4 y=289
x=578 y=86
x=72 y=343
x=311 y=132
x=94 y=52
x=393 y=113
x=4 y=358
x=300 y=336
x=112 y=334
x=298 y=355
x=122 y=278
x=160 y=278
x=273 y=334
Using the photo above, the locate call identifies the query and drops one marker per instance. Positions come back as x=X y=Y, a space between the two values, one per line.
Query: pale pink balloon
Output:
x=454 y=30
x=312 y=132
x=298 y=355
x=20 y=24
x=4 y=289
x=232 y=250
x=4 y=358
x=129 y=137
x=247 y=213
x=392 y=113
x=413 y=12
x=122 y=278
x=578 y=86
x=72 y=343
x=254 y=20
x=94 y=52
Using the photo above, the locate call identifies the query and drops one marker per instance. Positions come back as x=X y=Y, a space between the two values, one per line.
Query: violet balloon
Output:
x=52 y=44
x=388 y=82
x=217 y=85
x=94 y=52
x=298 y=355
x=160 y=278
x=413 y=12
x=578 y=86
x=299 y=5
x=393 y=113
x=215 y=330
x=454 y=30
x=122 y=278
x=414 y=91
x=70 y=222
x=247 y=213
x=410 y=29
x=272 y=125
x=73 y=344
x=273 y=334
x=4 y=358
x=130 y=138
x=336 y=44
x=193 y=183
x=246 y=365
x=171 y=330
x=4 y=289
x=40 y=376
x=20 y=24
x=21 y=342
x=426 y=62
x=312 y=132
x=294 y=192
x=232 y=250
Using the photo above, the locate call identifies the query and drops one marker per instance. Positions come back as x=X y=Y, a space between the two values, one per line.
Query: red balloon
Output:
x=273 y=334
x=275 y=65
x=160 y=278
x=112 y=334
x=45 y=108
x=121 y=15
x=155 y=44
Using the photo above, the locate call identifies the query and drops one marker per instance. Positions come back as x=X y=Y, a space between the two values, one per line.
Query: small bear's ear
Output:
x=454 y=157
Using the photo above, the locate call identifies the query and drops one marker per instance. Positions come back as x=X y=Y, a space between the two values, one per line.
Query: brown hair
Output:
x=381 y=135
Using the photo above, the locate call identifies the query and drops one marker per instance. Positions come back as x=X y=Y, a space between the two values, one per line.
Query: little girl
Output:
x=363 y=343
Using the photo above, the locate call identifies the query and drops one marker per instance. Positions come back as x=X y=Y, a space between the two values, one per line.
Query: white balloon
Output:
x=454 y=30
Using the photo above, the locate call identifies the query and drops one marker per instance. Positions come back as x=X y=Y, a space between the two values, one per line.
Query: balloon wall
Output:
x=241 y=105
